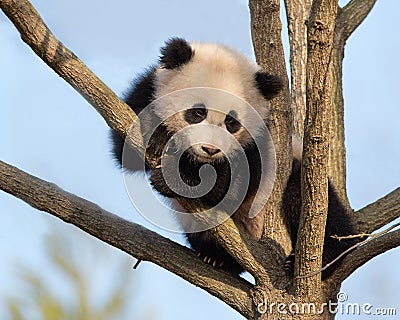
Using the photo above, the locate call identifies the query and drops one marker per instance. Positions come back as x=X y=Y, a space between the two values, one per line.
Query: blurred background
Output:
x=51 y=270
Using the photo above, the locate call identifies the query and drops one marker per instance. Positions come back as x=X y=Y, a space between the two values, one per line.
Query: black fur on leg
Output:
x=210 y=251
x=338 y=221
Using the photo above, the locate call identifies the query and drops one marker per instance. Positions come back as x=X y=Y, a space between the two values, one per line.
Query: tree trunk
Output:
x=318 y=31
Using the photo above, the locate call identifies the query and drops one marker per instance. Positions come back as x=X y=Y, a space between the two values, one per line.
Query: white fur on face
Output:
x=212 y=130
x=213 y=66
x=194 y=137
x=171 y=109
x=221 y=79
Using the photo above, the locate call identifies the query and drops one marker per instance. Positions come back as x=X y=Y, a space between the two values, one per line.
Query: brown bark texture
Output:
x=314 y=184
x=312 y=107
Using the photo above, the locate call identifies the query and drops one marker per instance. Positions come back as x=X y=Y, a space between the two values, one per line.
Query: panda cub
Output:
x=204 y=105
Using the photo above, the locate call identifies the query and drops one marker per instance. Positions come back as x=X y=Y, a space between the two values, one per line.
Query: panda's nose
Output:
x=210 y=149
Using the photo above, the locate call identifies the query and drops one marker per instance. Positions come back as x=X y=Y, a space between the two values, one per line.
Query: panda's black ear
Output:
x=175 y=53
x=268 y=84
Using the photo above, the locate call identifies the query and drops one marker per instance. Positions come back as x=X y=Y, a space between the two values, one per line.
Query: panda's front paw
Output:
x=210 y=260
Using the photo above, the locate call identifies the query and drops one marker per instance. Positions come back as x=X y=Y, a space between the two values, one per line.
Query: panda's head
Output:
x=213 y=96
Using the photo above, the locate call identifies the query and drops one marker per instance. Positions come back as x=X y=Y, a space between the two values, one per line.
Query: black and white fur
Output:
x=187 y=65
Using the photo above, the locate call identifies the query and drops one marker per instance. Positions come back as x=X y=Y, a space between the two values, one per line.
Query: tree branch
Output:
x=228 y=236
x=129 y=237
x=337 y=148
x=149 y=246
x=66 y=64
x=348 y=19
x=266 y=31
x=378 y=214
x=352 y=15
x=314 y=184
x=297 y=13
x=362 y=255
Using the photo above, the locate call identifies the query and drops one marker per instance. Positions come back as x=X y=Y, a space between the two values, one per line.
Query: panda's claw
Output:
x=210 y=260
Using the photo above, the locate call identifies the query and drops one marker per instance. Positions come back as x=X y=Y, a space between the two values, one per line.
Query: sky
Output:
x=50 y=131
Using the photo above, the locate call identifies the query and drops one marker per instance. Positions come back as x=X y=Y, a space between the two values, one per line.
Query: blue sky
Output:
x=48 y=130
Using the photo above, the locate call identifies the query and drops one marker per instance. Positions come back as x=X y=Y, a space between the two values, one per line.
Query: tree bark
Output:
x=266 y=30
x=361 y=255
x=318 y=83
x=314 y=184
x=348 y=19
x=132 y=238
x=67 y=65
x=297 y=13
x=378 y=214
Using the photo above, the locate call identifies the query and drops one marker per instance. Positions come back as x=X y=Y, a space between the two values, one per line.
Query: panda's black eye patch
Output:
x=232 y=125
x=196 y=114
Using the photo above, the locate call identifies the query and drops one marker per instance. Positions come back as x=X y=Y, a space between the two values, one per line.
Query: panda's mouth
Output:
x=206 y=153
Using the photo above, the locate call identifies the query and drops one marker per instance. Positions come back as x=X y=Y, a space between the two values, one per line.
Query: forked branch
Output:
x=149 y=246
x=132 y=238
x=352 y=15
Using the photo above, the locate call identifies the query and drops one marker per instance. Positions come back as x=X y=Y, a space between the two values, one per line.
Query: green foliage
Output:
x=68 y=262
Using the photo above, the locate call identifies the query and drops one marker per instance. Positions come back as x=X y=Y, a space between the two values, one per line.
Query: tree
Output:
x=315 y=95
